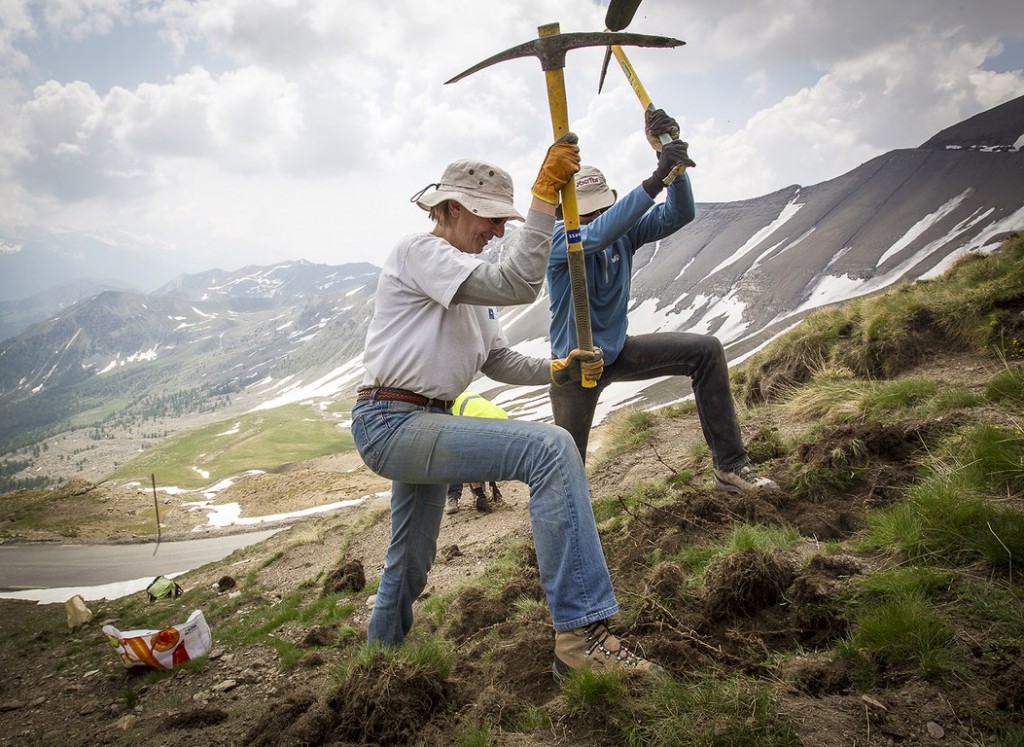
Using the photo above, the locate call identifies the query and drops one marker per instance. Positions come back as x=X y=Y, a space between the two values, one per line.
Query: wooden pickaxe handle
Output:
x=645 y=101
x=555 y=79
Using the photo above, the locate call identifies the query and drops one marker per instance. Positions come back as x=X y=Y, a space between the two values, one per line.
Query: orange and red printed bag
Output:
x=162 y=649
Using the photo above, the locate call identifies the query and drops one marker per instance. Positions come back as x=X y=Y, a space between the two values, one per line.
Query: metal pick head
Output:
x=604 y=68
x=550 y=50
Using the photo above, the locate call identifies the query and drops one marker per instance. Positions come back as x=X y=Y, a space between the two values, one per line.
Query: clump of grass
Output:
x=528 y=607
x=905 y=633
x=811 y=480
x=709 y=713
x=997 y=608
x=914 y=396
x=694 y=559
x=618 y=512
x=833 y=395
x=896 y=329
x=500 y=571
x=474 y=735
x=949 y=517
x=793 y=359
x=765 y=445
x=945 y=520
x=262 y=625
x=437 y=606
x=1007 y=385
x=587 y=689
x=531 y=718
x=905 y=581
x=428 y=654
x=288 y=653
x=431 y=655
x=836 y=397
x=761 y=537
x=989 y=456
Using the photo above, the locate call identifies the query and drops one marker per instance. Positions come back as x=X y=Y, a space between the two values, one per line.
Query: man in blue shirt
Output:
x=613 y=230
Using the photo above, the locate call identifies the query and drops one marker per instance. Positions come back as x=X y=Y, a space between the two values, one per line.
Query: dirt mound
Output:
x=381 y=702
x=348 y=576
x=744 y=583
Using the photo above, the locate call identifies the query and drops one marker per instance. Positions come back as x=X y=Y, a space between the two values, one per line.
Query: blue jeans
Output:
x=701 y=357
x=424 y=450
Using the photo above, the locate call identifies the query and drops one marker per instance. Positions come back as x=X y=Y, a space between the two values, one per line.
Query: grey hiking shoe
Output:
x=451 y=505
x=594 y=647
x=743 y=480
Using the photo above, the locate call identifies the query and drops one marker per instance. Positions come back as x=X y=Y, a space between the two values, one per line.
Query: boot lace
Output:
x=597 y=634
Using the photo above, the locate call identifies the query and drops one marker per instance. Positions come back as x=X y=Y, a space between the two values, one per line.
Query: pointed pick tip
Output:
x=604 y=69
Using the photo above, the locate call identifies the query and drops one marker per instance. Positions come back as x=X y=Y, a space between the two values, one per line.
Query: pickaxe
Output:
x=550 y=48
x=620 y=13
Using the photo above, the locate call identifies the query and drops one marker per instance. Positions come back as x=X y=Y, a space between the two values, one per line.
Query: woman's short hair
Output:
x=439 y=214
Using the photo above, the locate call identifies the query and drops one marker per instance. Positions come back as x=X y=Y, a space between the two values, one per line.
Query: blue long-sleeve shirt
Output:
x=609 y=243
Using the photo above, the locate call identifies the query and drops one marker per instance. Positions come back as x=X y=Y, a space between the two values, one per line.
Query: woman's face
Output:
x=470 y=233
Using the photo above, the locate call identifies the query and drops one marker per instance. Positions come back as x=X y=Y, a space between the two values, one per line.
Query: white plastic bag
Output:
x=162 y=649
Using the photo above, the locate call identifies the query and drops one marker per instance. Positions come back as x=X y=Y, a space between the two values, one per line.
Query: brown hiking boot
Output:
x=594 y=647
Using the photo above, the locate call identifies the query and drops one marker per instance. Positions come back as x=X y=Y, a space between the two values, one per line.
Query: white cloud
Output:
x=298 y=128
x=78 y=19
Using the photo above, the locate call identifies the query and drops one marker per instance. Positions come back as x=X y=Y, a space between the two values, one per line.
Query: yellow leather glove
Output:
x=560 y=164
x=579 y=363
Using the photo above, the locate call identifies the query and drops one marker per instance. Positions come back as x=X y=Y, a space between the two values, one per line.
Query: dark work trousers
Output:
x=701 y=357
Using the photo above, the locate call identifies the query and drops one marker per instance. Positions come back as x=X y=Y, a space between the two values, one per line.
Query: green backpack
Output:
x=163 y=588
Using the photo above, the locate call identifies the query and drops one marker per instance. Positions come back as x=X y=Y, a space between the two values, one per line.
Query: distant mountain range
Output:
x=743 y=271
x=34 y=260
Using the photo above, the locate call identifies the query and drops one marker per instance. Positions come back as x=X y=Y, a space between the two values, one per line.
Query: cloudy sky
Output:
x=232 y=132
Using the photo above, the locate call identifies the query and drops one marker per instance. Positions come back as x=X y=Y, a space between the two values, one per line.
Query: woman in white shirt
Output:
x=435 y=327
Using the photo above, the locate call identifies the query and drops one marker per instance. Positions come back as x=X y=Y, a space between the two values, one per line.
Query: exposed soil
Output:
x=759 y=614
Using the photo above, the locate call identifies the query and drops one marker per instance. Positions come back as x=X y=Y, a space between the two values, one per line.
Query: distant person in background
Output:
x=435 y=327
x=612 y=232
x=474 y=405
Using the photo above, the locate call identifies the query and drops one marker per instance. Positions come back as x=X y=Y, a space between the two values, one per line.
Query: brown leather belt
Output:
x=401 y=395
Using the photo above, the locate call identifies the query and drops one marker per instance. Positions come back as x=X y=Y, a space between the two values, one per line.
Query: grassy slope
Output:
x=253 y=441
x=876 y=599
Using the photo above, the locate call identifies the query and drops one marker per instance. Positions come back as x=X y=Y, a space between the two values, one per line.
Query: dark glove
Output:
x=671 y=163
x=658 y=123
x=578 y=364
x=560 y=164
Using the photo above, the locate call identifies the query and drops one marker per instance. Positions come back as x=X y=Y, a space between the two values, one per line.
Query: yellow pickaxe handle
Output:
x=555 y=79
x=645 y=101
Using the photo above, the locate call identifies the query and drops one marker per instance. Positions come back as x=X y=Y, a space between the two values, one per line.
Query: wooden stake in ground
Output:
x=156 y=508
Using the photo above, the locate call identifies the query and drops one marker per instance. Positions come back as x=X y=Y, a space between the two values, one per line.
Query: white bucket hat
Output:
x=592 y=191
x=481 y=188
